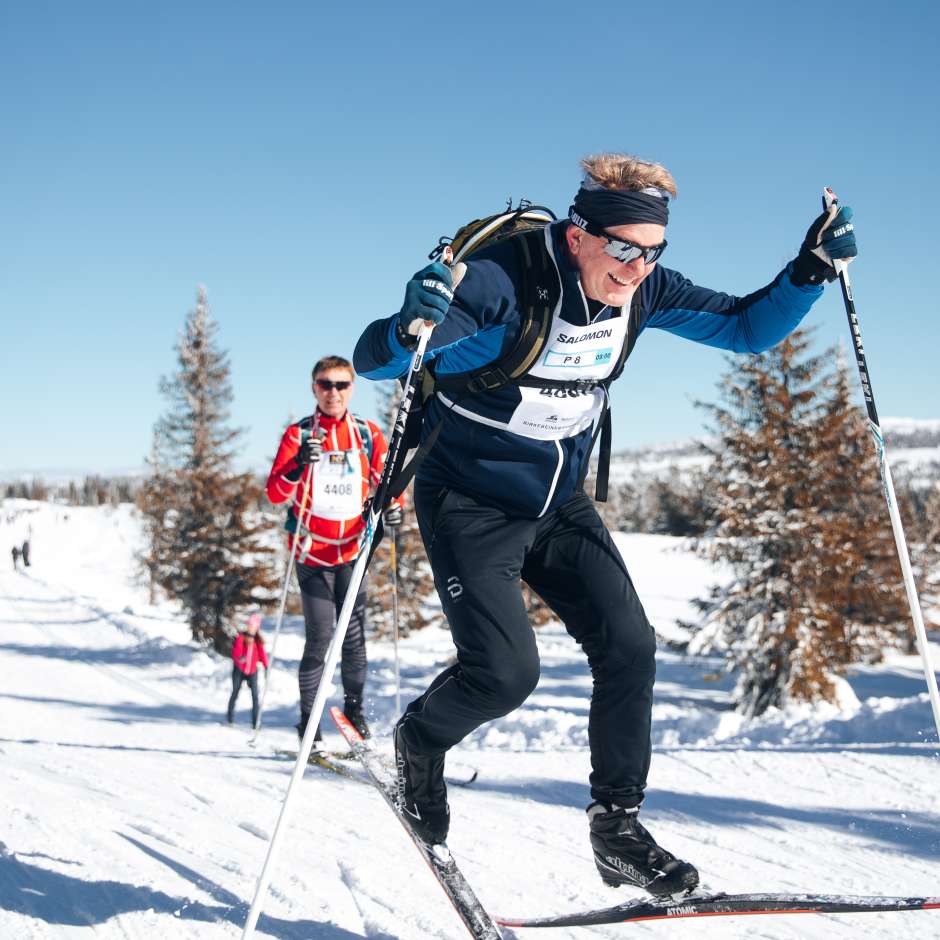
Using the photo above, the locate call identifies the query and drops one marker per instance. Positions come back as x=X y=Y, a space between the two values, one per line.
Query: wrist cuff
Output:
x=404 y=338
x=808 y=269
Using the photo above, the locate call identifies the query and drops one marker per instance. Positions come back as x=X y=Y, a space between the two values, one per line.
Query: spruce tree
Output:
x=155 y=500
x=801 y=520
x=860 y=600
x=766 y=524
x=209 y=552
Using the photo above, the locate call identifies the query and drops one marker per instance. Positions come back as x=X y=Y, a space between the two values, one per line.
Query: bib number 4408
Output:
x=338 y=489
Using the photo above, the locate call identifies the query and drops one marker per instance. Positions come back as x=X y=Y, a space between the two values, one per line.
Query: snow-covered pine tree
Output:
x=621 y=511
x=761 y=480
x=860 y=603
x=802 y=522
x=274 y=517
x=214 y=559
x=155 y=500
x=680 y=504
x=931 y=543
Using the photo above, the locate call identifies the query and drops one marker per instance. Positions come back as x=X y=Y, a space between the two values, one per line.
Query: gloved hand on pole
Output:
x=428 y=296
x=830 y=238
x=311 y=450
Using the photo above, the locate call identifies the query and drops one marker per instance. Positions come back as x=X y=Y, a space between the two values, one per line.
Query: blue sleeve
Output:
x=741 y=324
x=471 y=335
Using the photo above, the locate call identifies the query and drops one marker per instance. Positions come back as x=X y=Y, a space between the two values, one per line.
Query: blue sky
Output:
x=300 y=161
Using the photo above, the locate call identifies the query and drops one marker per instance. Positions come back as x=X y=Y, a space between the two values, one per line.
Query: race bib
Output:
x=572 y=352
x=549 y=414
x=337 y=486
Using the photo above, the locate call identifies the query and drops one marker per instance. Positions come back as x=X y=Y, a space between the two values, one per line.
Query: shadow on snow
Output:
x=56 y=898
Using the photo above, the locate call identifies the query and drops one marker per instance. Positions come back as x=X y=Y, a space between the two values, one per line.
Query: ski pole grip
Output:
x=457 y=271
x=830 y=202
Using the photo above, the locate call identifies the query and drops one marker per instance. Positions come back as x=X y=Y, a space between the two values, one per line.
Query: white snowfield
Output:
x=131 y=811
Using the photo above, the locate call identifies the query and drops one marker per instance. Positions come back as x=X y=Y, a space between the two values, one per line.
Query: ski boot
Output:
x=626 y=854
x=301 y=727
x=422 y=793
x=352 y=709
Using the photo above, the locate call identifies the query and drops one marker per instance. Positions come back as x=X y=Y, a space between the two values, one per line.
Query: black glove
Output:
x=310 y=451
x=830 y=237
x=392 y=516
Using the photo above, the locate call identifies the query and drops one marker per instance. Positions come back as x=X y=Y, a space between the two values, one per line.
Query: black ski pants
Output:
x=479 y=554
x=322 y=593
x=238 y=677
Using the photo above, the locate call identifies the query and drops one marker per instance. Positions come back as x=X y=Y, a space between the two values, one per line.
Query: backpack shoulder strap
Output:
x=538 y=294
x=365 y=432
x=633 y=329
x=305 y=426
x=604 y=427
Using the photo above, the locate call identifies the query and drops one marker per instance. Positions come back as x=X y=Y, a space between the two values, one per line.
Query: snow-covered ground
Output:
x=130 y=811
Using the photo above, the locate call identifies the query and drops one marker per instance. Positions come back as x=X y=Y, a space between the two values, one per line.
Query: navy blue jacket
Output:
x=524 y=476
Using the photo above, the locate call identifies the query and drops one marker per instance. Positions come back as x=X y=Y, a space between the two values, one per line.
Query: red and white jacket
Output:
x=328 y=497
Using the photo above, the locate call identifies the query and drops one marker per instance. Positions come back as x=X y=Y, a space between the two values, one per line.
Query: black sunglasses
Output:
x=625 y=252
x=619 y=248
x=326 y=385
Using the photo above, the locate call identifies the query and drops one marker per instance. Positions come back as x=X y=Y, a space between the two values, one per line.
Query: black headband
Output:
x=606 y=207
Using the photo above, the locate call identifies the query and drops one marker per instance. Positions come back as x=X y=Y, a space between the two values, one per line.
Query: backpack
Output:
x=540 y=290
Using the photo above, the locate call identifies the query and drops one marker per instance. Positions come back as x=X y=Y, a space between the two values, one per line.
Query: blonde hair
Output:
x=624 y=171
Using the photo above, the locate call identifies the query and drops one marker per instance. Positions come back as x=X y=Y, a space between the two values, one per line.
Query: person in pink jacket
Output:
x=247 y=654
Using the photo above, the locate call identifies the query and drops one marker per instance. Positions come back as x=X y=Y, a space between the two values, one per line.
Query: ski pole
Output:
x=342 y=624
x=393 y=563
x=287 y=574
x=830 y=201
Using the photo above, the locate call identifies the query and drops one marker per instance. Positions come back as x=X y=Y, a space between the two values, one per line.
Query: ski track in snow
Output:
x=133 y=812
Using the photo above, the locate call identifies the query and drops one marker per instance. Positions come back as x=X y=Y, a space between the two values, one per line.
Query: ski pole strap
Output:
x=401 y=480
x=603 y=460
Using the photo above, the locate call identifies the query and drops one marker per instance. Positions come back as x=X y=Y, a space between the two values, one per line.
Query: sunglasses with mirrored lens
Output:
x=619 y=248
x=625 y=252
x=326 y=385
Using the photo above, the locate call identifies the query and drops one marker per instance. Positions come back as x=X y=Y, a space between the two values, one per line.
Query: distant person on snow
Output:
x=25 y=553
x=247 y=655
x=327 y=465
x=16 y=557
x=500 y=498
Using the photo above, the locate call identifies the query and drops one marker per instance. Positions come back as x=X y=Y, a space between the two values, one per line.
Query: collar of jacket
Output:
x=327 y=423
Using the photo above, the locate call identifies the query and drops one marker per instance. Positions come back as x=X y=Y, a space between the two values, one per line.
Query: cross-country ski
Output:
x=478 y=922
x=719 y=905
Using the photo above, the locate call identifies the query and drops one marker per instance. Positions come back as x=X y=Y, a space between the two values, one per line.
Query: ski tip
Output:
x=346 y=728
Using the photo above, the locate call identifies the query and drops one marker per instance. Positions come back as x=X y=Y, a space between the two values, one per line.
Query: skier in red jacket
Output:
x=327 y=465
x=247 y=654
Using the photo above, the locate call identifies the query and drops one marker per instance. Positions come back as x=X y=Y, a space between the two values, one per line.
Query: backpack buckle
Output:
x=584 y=385
x=488 y=381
